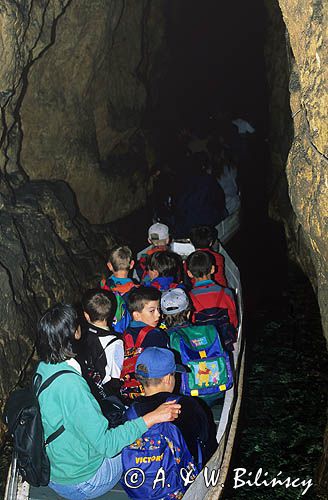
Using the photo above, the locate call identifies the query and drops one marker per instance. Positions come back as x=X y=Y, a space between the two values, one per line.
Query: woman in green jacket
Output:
x=85 y=459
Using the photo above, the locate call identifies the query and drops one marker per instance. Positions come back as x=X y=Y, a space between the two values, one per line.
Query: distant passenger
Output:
x=144 y=307
x=164 y=270
x=203 y=238
x=85 y=460
x=207 y=296
x=120 y=263
x=226 y=174
x=159 y=238
x=201 y=200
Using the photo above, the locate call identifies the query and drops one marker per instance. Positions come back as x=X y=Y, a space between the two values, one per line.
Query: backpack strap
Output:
x=107 y=345
x=128 y=340
x=53 y=377
x=44 y=386
x=142 y=335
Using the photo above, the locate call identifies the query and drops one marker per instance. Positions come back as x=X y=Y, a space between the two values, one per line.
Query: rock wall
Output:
x=83 y=104
x=297 y=62
x=75 y=79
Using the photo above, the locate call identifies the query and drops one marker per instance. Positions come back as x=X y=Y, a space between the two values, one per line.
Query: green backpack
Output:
x=201 y=350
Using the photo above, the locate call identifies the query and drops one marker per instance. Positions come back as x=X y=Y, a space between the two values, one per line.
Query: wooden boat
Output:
x=226 y=417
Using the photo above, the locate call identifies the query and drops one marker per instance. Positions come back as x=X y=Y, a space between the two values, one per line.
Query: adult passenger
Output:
x=85 y=459
x=201 y=199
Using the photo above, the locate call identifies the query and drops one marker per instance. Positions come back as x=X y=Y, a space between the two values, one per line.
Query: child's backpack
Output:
x=122 y=317
x=201 y=350
x=163 y=283
x=111 y=407
x=23 y=417
x=158 y=456
x=217 y=316
x=131 y=387
x=121 y=288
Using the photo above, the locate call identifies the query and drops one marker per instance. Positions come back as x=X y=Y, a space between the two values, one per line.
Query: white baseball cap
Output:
x=158 y=231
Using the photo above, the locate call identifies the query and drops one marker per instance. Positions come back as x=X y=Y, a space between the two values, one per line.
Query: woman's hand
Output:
x=166 y=412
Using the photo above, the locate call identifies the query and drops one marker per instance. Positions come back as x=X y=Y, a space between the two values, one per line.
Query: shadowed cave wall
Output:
x=75 y=86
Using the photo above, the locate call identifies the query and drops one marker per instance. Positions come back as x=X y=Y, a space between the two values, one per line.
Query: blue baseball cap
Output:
x=156 y=362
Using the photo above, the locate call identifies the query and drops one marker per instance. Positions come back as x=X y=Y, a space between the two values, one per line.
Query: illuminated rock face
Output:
x=297 y=57
x=82 y=112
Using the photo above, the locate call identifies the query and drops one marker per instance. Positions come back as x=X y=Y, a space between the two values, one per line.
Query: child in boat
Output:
x=208 y=297
x=164 y=270
x=203 y=238
x=158 y=237
x=103 y=348
x=144 y=307
x=198 y=346
x=120 y=263
x=156 y=369
x=85 y=462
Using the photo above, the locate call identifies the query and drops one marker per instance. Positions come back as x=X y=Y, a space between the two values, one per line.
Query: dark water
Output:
x=284 y=406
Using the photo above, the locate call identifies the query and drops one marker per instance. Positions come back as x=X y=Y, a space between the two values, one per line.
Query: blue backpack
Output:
x=122 y=317
x=155 y=465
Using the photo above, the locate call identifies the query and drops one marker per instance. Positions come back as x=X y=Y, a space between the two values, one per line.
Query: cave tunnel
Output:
x=92 y=100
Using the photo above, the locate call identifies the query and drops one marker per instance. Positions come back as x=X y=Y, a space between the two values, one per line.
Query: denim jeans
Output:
x=103 y=481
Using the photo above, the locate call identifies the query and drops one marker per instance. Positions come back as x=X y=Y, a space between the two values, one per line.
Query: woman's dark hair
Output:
x=139 y=297
x=100 y=305
x=200 y=263
x=56 y=331
x=203 y=236
x=166 y=263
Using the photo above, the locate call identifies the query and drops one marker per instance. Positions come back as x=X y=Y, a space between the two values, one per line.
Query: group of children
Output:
x=174 y=313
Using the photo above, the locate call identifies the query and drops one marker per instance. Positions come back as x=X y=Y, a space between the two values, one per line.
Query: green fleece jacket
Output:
x=76 y=455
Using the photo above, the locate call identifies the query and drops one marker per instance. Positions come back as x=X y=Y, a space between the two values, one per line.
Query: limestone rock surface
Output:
x=297 y=59
x=84 y=103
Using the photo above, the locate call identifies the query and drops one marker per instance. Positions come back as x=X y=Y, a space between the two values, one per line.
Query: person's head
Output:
x=164 y=264
x=203 y=236
x=156 y=368
x=143 y=305
x=99 y=306
x=175 y=306
x=200 y=265
x=158 y=234
x=120 y=259
x=57 y=330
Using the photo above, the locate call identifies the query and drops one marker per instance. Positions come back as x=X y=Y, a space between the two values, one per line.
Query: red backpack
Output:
x=131 y=387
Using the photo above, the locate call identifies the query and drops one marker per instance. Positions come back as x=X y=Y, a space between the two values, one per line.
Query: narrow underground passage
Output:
x=218 y=68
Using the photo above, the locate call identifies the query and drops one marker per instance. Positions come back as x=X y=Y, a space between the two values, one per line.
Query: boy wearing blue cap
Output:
x=155 y=369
